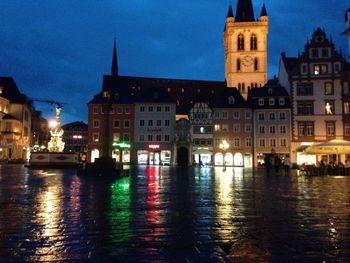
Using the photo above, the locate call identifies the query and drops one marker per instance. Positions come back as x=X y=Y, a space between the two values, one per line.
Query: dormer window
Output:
x=281 y=101
x=231 y=100
x=271 y=101
x=261 y=102
x=116 y=96
x=269 y=91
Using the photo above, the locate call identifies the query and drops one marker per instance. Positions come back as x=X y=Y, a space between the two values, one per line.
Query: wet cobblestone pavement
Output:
x=166 y=214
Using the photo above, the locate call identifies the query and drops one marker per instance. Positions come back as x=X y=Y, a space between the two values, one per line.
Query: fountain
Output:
x=55 y=157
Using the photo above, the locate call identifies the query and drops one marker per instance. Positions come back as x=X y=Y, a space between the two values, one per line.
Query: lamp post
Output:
x=224 y=146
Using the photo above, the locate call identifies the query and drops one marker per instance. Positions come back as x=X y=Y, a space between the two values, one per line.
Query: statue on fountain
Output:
x=56 y=143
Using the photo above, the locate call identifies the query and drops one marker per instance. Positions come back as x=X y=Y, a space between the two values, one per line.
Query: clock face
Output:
x=247 y=60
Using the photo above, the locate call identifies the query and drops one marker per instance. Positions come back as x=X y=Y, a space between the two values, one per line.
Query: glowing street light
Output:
x=224 y=146
x=53 y=124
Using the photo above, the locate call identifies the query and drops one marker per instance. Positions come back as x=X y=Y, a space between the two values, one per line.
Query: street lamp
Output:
x=224 y=146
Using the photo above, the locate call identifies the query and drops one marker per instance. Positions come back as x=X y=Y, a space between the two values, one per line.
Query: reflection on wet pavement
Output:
x=167 y=214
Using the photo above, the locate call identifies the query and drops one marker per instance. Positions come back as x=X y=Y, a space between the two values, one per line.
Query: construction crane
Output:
x=59 y=106
x=52 y=102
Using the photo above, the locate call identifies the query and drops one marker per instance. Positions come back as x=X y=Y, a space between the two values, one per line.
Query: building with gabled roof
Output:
x=315 y=83
x=271 y=106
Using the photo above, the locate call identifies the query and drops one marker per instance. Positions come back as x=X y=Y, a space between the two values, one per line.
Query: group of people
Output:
x=275 y=162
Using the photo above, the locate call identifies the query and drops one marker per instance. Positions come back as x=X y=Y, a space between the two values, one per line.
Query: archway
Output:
x=229 y=159
x=238 y=159
x=182 y=156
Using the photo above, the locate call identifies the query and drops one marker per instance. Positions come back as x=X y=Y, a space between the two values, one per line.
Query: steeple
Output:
x=114 y=71
x=244 y=12
x=263 y=10
x=230 y=13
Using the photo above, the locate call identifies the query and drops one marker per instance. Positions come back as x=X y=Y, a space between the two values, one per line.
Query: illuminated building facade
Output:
x=232 y=122
x=15 y=123
x=271 y=107
x=245 y=43
x=315 y=82
x=155 y=119
x=202 y=135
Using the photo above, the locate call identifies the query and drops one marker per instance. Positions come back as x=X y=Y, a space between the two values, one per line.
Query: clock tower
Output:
x=245 y=43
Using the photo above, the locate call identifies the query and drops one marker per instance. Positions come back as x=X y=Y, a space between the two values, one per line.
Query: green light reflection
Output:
x=120 y=211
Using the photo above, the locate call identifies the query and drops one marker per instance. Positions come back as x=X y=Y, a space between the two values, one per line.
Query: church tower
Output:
x=245 y=43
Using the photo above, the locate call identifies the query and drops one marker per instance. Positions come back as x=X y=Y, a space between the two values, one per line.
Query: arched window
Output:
x=243 y=87
x=239 y=86
x=256 y=64
x=238 y=64
x=253 y=42
x=240 y=42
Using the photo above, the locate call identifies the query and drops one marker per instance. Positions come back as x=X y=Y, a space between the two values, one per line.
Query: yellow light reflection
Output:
x=48 y=217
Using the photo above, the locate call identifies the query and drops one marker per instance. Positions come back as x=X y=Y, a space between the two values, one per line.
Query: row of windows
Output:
x=272 y=129
x=306 y=89
x=307 y=129
x=262 y=116
x=272 y=101
x=253 y=42
x=117 y=109
x=116 y=124
x=236 y=115
x=236 y=142
x=154 y=108
x=202 y=142
x=236 y=128
x=116 y=137
x=272 y=143
x=319 y=69
x=307 y=107
x=154 y=138
x=319 y=52
x=151 y=123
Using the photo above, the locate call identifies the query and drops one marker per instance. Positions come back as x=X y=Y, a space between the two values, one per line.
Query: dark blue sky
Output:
x=59 y=49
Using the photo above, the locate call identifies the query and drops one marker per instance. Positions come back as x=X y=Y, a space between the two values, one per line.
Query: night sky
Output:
x=59 y=49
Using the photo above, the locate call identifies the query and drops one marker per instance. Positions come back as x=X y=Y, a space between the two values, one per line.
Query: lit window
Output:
x=328 y=88
x=95 y=137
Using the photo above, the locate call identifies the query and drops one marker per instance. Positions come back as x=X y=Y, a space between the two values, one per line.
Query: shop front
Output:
x=202 y=156
x=229 y=159
x=154 y=155
x=121 y=152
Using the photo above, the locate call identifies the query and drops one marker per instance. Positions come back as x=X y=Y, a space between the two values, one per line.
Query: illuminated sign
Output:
x=154 y=146
x=123 y=145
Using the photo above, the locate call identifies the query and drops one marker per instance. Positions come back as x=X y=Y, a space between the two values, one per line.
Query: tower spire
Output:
x=244 y=11
x=263 y=10
x=114 y=71
x=230 y=12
